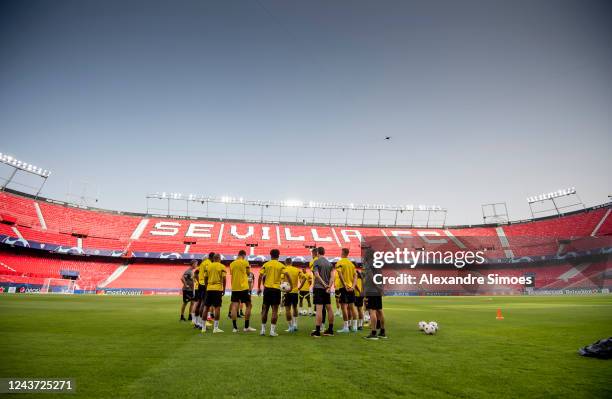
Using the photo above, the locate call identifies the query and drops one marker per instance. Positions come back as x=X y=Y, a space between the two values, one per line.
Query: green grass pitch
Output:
x=136 y=347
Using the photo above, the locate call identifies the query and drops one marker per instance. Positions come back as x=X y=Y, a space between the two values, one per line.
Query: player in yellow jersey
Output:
x=315 y=254
x=241 y=293
x=291 y=274
x=270 y=274
x=201 y=293
x=338 y=285
x=359 y=295
x=195 y=303
x=304 y=288
x=215 y=289
x=345 y=270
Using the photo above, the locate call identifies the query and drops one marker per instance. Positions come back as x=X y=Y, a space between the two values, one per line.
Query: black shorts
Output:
x=347 y=296
x=320 y=296
x=304 y=294
x=187 y=296
x=374 y=303
x=200 y=293
x=213 y=298
x=271 y=296
x=359 y=301
x=241 y=296
x=291 y=299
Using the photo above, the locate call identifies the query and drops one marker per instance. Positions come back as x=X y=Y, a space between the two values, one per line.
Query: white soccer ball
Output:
x=429 y=329
x=422 y=325
x=285 y=286
x=433 y=323
x=303 y=312
x=366 y=317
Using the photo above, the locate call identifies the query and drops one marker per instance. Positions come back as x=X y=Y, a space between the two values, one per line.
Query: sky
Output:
x=485 y=101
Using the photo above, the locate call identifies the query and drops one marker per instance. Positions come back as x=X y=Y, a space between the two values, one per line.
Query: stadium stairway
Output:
x=573 y=272
x=116 y=274
x=7 y=268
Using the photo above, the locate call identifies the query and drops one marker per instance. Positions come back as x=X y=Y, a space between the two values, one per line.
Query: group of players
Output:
x=204 y=287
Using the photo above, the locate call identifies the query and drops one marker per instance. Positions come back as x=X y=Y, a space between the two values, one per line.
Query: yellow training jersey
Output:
x=312 y=262
x=215 y=273
x=293 y=274
x=203 y=266
x=240 y=270
x=307 y=279
x=337 y=282
x=359 y=287
x=272 y=270
x=347 y=268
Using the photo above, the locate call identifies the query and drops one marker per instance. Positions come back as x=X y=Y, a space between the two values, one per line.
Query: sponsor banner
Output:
x=138 y=291
x=24 y=288
x=403 y=293
x=19 y=288
x=570 y=291
x=165 y=255
x=158 y=292
x=115 y=253
x=60 y=249
x=121 y=291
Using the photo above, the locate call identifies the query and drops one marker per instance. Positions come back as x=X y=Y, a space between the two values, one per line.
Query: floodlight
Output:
x=293 y=203
x=22 y=165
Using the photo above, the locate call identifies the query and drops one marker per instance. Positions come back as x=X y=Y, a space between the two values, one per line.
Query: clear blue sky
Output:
x=485 y=100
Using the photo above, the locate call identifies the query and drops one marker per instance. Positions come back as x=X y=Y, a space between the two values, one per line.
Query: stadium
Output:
x=119 y=252
x=282 y=199
x=121 y=261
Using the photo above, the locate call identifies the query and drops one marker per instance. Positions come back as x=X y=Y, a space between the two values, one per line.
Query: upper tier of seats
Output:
x=48 y=222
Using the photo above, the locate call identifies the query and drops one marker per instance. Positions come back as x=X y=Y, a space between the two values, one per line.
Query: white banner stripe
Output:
x=601 y=222
x=336 y=237
x=220 y=233
x=41 y=219
x=139 y=229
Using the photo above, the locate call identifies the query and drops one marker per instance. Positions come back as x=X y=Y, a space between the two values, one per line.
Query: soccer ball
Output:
x=303 y=312
x=366 y=317
x=434 y=324
x=285 y=286
x=422 y=325
x=429 y=329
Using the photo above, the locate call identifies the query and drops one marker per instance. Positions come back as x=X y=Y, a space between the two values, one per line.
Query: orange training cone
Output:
x=499 y=315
